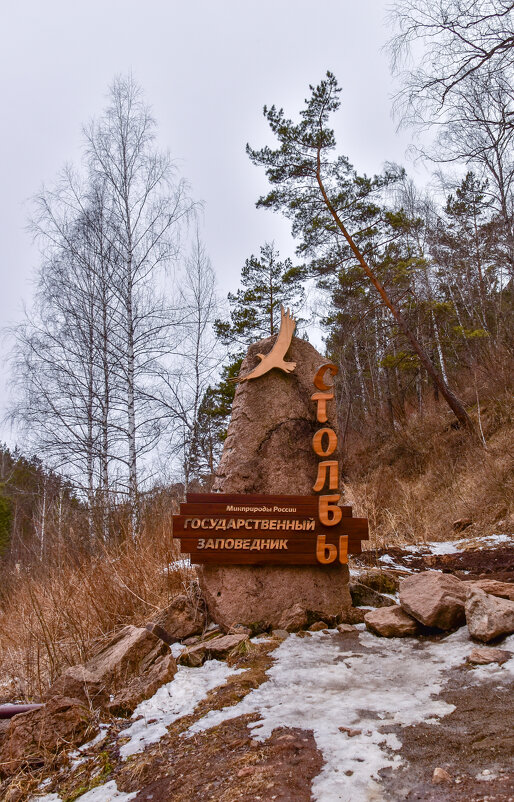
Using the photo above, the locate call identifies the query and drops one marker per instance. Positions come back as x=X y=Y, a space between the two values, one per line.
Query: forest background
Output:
x=120 y=370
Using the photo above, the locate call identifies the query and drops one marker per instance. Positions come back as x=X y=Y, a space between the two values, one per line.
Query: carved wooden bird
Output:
x=275 y=358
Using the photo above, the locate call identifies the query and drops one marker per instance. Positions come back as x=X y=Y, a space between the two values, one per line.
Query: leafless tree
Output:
x=438 y=45
x=60 y=355
x=197 y=360
x=148 y=207
x=91 y=356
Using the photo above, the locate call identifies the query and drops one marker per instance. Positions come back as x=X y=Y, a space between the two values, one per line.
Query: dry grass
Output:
x=55 y=616
x=413 y=485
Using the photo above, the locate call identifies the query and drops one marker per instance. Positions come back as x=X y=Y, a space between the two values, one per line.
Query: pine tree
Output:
x=255 y=309
x=335 y=213
x=268 y=283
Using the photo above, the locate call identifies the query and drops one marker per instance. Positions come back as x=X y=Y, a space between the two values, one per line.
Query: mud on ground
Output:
x=474 y=743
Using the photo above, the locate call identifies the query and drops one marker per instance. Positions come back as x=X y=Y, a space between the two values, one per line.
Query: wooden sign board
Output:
x=231 y=529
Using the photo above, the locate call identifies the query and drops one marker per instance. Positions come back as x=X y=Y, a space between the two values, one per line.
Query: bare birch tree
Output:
x=198 y=358
x=91 y=356
x=148 y=207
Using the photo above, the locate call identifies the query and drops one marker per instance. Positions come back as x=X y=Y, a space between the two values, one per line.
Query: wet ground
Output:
x=488 y=563
x=473 y=740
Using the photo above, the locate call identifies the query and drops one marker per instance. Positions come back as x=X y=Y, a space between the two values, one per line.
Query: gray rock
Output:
x=435 y=599
x=488 y=617
x=364 y=596
x=391 y=622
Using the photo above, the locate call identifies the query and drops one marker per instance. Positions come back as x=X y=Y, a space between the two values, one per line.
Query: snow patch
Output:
x=178 y=565
x=102 y=793
x=454 y=546
x=177 y=648
x=172 y=701
x=322 y=683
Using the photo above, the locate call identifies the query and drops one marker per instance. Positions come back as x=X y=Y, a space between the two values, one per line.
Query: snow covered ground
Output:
x=322 y=683
x=439 y=548
x=102 y=793
x=172 y=701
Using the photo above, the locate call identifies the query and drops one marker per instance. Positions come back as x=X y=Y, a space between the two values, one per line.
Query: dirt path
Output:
x=332 y=717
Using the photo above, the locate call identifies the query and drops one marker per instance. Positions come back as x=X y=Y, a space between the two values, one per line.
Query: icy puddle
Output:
x=328 y=682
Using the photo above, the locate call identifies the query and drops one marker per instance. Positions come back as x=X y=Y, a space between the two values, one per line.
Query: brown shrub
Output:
x=54 y=616
x=413 y=485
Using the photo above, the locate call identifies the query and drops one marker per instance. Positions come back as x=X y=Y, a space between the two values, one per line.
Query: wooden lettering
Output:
x=321 y=400
x=326 y=553
x=328 y=468
x=343 y=549
x=319 y=382
x=317 y=442
x=329 y=513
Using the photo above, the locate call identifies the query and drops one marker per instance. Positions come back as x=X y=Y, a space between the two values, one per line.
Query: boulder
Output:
x=268 y=450
x=505 y=590
x=184 y=617
x=345 y=629
x=131 y=653
x=256 y=596
x=38 y=737
x=5 y=724
x=364 y=596
x=280 y=634
x=214 y=649
x=440 y=776
x=488 y=617
x=379 y=580
x=482 y=657
x=391 y=622
x=268 y=446
x=318 y=626
x=77 y=682
x=354 y=615
x=293 y=619
x=144 y=686
x=434 y=599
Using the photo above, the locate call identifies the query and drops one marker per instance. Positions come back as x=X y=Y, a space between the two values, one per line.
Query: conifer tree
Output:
x=268 y=283
x=335 y=213
x=255 y=309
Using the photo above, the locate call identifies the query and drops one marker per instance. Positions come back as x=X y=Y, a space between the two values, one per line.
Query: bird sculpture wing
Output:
x=275 y=358
x=285 y=335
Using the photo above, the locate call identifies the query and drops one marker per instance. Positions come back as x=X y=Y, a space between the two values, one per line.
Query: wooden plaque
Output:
x=256 y=529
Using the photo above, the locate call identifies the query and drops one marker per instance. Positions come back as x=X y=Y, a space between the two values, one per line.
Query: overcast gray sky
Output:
x=207 y=67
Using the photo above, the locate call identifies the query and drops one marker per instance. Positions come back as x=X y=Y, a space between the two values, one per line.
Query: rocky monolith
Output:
x=269 y=450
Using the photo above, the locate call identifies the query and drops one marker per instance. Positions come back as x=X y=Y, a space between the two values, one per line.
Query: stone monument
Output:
x=268 y=450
